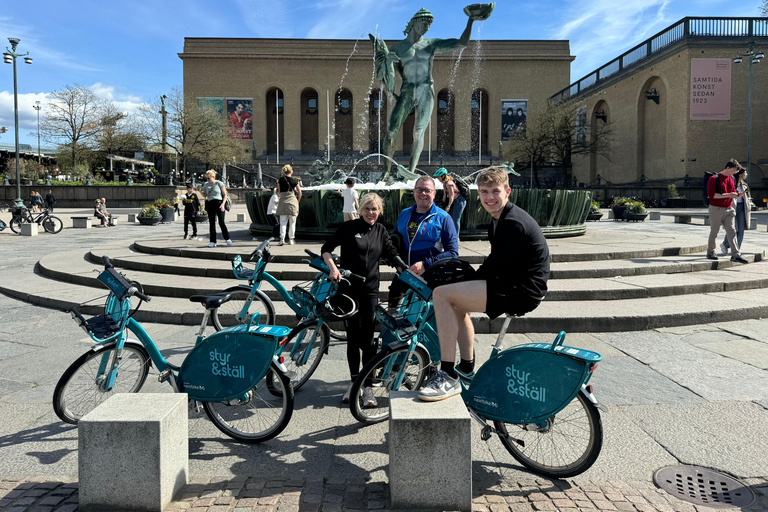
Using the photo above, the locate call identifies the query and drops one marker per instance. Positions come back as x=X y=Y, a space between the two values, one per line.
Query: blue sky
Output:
x=127 y=51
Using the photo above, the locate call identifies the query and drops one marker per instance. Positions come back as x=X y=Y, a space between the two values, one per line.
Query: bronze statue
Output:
x=412 y=59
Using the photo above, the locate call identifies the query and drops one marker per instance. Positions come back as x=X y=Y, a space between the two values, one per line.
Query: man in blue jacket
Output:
x=427 y=234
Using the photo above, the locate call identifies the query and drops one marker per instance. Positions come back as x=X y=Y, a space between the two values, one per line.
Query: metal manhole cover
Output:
x=703 y=486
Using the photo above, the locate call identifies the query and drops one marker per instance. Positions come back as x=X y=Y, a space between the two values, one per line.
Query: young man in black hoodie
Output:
x=513 y=280
x=191 y=205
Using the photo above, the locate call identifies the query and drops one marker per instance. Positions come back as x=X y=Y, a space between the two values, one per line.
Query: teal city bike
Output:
x=316 y=304
x=536 y=397
x=235 y=375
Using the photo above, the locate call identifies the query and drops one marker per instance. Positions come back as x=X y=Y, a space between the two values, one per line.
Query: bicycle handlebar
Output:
x=344 y=273
x=107 y=263
x=259 y=250
x=137 y=293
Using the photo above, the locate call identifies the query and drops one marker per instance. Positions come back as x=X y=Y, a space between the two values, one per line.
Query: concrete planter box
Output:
x=149 y=221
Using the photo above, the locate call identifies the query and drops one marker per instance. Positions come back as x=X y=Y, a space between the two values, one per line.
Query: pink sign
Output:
x=710 y=89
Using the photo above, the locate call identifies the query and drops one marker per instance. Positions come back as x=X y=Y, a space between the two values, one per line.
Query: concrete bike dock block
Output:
x=131 y=218
x=29 y=229
x=133 y=450
x=240 y=217
x=430 y=453
x=654 y=216
x=82 y=222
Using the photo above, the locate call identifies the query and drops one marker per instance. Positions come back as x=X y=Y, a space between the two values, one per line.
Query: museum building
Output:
x=304 y=94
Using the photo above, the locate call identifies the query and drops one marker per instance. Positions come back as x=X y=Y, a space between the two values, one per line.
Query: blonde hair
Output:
x=493 y=176
x=372 y=198
x=287 y=169
x=210 y=172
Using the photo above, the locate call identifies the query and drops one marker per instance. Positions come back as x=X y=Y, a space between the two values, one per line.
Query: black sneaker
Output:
x=711 y=256
x=738 y=259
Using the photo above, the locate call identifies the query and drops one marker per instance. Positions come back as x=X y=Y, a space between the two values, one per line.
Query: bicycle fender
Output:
x=591 y=397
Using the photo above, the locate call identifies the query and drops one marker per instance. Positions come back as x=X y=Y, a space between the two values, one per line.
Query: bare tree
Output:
x=554 y=134
x=73 y=118
x=119 y=132
x=193 y=131
x=764 y=8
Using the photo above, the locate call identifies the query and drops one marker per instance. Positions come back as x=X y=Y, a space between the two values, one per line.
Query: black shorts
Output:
x=504 y=300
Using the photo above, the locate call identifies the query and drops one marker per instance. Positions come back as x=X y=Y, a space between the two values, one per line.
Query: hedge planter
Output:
x=594 y=216
x=201 y=219
x=635 y=217
x=149 y=221
x=677 y=203
x=618 y=212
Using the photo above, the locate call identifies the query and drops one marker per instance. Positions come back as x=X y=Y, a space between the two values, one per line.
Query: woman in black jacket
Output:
x=363 y=242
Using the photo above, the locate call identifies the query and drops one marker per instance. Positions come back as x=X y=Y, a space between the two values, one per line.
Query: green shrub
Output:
x=635 y=207
x=149 y=210
x=594 y=207
x=672 y=192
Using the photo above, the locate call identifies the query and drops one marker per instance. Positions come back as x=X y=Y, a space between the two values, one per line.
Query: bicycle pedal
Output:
x=164 y=376
x=485 y=433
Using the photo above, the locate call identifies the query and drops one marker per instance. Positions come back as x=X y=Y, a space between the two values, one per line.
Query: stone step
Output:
x=550 y=316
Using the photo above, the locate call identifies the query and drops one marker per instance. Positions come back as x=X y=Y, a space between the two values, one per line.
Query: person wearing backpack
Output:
x=215 y=194
x=455 y=193
x=721 y=191
x=743 y=206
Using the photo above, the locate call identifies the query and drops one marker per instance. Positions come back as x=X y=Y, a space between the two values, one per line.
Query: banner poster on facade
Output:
x=240 y=116
x=216 y=104
x=513 y=115
x=710 y=89
x=581 y=127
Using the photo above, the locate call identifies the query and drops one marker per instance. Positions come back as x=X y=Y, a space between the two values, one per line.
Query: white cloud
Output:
x=266 y=19
x=27 y=114
x=340 y=19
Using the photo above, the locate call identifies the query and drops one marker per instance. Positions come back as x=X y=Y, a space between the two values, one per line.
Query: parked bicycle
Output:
x=315 y=302
x=235 y=375
x=50 y=223
x=536 y=395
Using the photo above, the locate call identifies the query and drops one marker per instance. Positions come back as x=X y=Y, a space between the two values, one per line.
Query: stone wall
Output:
x=82 y=196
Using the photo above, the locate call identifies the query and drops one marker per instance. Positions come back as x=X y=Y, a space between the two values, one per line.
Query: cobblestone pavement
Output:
x=241 y=494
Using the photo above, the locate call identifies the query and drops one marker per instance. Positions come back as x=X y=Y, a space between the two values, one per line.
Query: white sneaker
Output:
x=211 y=244
x=440 y=387
x=229 y=242
x=368 y=399
x=723 y=250
x=281 y=242
x=290 y=242
x=345 y=399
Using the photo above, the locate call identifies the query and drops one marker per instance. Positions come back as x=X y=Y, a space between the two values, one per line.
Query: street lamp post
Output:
x=9 y=57
x=754 y=57
x=37 y=107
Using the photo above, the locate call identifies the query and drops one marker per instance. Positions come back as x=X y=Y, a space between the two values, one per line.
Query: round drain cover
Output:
x=703 y=486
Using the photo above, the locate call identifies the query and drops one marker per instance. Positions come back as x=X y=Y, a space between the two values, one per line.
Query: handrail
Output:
x=686 y=28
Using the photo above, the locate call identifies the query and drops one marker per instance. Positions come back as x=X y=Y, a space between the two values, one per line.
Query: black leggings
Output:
x=360 y=332
x=190 y=219
x=214 y=211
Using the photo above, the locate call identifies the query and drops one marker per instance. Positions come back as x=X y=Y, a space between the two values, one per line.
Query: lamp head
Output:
x=8 y=58
x=755 y=60
x=28 y=60
x=759 y=55
x=737 y=60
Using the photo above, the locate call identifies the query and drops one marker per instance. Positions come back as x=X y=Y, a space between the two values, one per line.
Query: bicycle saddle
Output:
x=211 y=301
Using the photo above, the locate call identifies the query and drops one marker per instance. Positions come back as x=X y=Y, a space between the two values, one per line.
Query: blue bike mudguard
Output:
x=230 y=362
x=530 y=383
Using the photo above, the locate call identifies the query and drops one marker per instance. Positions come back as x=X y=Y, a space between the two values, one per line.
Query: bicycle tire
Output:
x=337 y=330
x=225 y=315
x=270 y=409
x=77 y=393
x=545 y=451
x=52 y=224
x=310 y=338
x=15 y=225
x=382 y=378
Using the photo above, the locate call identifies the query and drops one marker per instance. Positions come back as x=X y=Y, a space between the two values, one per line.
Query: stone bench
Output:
x=82 y=222
x=30 y=229
x=133 y=450
x=685 y=218
x=430 y=453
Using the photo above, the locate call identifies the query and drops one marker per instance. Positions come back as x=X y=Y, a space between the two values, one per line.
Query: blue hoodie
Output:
x=436 y=227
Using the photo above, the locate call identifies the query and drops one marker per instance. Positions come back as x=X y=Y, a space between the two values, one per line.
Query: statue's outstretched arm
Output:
x=475 y=12
x=385 y=63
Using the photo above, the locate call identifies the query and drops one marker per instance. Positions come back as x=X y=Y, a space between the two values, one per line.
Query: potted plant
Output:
x=618 y=207
x=595 y=213
x=635 y=212
x=149 y=215
x=674 y=200
x=202 y=215
x=166 y=209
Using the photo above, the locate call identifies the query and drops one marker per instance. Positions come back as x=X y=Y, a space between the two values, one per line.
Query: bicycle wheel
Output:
x=308 y=339
x=79 y=389
x=261 y=415
x=337 y=330
x=52 y=224
x=567 y=447
x=226 y=315
x=380 y=374
x=16 y=225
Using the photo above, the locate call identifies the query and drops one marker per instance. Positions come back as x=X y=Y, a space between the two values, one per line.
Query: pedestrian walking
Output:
x=272 y=214
x=289 y=190
x=50 y=200
x=743 y=218
x=215 y=194
x=191 y=206
x=351 y=204
x=721 y=192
